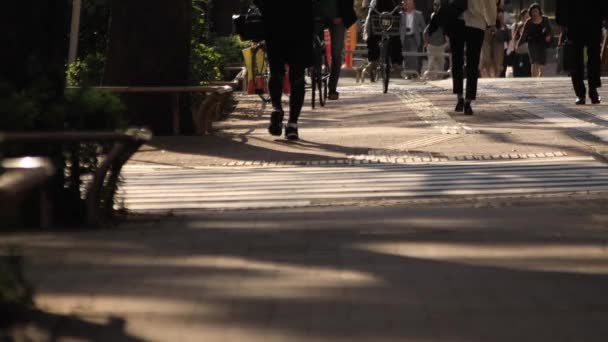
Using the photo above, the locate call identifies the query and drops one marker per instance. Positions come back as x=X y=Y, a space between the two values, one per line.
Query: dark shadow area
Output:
x=358 y=274
x=38 y=325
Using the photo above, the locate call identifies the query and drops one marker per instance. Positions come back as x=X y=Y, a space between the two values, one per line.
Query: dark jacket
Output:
x=288 y=28
x=581 y=16
x=346 y=11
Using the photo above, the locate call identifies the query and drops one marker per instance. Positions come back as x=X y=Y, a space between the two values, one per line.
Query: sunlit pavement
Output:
x=527 y=265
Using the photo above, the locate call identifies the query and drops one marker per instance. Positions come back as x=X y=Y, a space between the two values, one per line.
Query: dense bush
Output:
x=210 y=54
x=81 y=109
x=87 y=71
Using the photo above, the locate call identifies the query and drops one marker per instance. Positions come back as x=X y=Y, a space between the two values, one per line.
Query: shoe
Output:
x=594 y=96
x=291 y=132
x=459 y=106
x=580 y=101
x=333 y=96
x=468 y=110
x=276 y=122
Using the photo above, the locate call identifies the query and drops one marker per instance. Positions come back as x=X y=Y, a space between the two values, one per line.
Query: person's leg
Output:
x=275 y=85
x=485 y=64
x=276 y=61
x=474 y=40
x=296 y=99
x=395 y=50
x=498 y=55
x=373 y=49
x=577 y=74
x=337 y=47
x=435 y=59
x=410 y=46
x=457 y=40
x=594 y=65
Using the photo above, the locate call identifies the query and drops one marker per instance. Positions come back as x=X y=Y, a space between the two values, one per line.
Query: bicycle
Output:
x=319 y=71
x=386 y=25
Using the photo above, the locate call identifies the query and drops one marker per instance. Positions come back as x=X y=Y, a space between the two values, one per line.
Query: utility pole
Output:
x=74 y=30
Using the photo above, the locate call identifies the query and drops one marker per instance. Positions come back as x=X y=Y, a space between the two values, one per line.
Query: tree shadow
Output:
x=39 y=325
x=451 y=274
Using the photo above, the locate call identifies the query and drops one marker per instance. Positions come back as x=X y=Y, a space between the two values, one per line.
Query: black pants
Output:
x=521 y=65
x=296 y=80
x=394 y=45
x=461 y=36
x=591 y=41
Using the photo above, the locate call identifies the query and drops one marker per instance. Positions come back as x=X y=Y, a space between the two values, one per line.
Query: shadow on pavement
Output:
x=351 y=274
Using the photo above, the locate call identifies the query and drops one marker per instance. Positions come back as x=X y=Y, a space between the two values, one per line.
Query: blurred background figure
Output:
x=520 y=58
x=435 y=44
x=411 y=28
x=494 y=46
x=538 y=34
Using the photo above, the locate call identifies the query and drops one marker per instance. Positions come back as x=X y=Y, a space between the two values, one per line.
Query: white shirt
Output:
x=409 y=22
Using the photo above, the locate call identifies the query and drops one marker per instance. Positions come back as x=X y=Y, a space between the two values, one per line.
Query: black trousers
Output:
x=277 y=58
x=394 y=46
x=461 y=36
x=592 y=41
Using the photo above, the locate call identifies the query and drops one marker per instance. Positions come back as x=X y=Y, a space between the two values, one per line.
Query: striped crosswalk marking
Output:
x=148 y=187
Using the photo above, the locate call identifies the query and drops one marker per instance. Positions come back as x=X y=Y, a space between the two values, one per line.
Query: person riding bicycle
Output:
x=287 y=32
x=337 y=16
x=373 y=41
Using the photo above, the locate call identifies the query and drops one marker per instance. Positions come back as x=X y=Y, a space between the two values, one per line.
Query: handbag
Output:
x=249 y=26
x=522 y=49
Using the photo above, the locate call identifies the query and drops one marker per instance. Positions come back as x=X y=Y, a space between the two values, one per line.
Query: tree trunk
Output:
x=149 y=45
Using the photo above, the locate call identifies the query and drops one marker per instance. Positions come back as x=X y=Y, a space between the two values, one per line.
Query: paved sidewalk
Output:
x=512 y=116
x=527 y=267
x=521 y=271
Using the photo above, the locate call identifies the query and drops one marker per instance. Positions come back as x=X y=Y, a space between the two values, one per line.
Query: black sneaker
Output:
x=276 y=123
x=459 y=106
x=291 y=132
x=594 y=96
x=468 y=110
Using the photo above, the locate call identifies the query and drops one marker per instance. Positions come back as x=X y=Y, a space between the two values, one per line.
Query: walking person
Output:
x=493 y=49
x=288 y=34
x=435 y=44
x=468 y=31
x=411 y=28
x=521 y=58
x=537 y=33
x=337 y=16
x=581 y=22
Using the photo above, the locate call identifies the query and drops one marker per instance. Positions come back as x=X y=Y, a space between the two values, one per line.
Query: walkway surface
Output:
x=393 y=219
